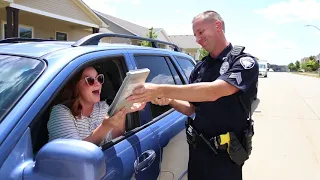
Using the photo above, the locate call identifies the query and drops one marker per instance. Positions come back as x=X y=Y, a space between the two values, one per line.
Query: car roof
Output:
x=40 y=49
x=54 y=51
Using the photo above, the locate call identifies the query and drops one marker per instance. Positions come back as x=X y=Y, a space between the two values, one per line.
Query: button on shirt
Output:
x=226 y=113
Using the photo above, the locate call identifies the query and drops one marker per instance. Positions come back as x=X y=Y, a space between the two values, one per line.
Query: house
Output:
x=188 y=44
x=117 y=25
x=48 y=19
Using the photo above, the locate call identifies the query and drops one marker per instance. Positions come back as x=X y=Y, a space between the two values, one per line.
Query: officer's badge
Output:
x=247 y=62
x=224 y=67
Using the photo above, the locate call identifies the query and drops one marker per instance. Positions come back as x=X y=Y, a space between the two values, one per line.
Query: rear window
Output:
x=16 y=75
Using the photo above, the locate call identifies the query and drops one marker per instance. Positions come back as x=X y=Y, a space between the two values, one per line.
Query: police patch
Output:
x=224 y=67
x=247 y=62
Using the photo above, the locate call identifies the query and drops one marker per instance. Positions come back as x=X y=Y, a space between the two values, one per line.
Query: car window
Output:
x=160 y=73
x=174 y=72
x=186 y=65
x=16 y=75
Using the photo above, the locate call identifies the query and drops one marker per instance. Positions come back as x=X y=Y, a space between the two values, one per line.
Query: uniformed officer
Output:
x=216 y=84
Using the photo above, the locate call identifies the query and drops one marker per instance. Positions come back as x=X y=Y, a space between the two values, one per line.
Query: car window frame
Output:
x=89 y=61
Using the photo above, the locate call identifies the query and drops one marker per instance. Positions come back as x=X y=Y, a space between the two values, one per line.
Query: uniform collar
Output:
x=224 y=53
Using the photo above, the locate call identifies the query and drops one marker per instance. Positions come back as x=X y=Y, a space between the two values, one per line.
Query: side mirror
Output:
x=67 y=159
x=268 y=69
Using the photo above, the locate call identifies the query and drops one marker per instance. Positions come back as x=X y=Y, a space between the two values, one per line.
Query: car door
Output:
x=167 y=124
x=134 y=155
x=121 y=156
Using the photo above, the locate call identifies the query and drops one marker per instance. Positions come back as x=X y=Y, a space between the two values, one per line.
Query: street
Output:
x=286 y=143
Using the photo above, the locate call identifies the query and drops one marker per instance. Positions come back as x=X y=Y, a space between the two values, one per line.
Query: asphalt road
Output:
x=286 y=145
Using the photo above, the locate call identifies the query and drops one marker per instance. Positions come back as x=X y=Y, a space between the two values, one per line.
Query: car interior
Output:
x=114 y=72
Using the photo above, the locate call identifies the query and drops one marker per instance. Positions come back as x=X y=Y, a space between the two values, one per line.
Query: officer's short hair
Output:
x=210 y=15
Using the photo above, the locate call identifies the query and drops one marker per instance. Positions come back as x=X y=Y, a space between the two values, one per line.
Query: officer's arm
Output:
x=198 y=92
x=184 y=107
x=240 y=76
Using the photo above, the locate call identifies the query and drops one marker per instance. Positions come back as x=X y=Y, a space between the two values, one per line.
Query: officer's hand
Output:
x=145 y=93
x=161 y=101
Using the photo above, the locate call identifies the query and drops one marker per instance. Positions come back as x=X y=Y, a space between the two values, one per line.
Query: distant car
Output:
x=33 y=73
x=263 y=69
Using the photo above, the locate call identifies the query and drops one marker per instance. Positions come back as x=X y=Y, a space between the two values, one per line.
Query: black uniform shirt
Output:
x=226 y=113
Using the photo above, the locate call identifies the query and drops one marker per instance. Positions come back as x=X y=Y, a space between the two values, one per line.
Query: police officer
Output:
x=216 y=83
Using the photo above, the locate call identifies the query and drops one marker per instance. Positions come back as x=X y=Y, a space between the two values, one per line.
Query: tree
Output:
x=292 y=67
x=313 y=65
x=152 y=35
x=203 y=53
x=298 y=64
x=304 y=66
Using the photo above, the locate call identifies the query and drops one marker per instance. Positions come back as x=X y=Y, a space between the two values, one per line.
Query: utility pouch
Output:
x=236 y=151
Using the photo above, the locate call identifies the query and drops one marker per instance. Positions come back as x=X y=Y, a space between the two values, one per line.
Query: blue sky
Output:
x=271 y=30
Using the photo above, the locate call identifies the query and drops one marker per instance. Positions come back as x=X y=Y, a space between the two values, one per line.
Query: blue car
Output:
x=32 y=75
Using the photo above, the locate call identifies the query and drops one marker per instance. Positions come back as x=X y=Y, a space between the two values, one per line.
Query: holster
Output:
x=192 y=136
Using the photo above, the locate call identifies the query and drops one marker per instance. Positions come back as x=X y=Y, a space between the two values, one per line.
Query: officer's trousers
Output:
x=205 y=165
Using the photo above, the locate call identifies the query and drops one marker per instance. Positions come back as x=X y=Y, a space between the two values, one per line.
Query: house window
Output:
x=24 y=31
x=60 y=36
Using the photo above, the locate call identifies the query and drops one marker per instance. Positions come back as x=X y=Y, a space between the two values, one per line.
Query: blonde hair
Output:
x=209 y=16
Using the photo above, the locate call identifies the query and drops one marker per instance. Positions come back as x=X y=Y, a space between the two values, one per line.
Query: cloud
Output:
x=291 y=11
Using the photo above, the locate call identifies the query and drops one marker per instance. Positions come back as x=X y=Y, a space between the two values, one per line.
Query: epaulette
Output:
x=237 y=50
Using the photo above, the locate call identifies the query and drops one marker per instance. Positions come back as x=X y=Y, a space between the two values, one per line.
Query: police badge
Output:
x=224 y=67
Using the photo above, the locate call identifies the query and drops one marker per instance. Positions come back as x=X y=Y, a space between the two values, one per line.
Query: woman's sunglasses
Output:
x=90 y=80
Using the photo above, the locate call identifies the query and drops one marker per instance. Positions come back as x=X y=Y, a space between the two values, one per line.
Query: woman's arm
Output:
x=107 y=125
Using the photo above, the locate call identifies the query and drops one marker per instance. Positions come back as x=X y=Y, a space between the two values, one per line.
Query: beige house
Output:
x=120 y=26
x=187 y=44
x=48 y=19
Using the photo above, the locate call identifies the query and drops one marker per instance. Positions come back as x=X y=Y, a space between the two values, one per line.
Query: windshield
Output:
x=16 y=75
x=262 y=66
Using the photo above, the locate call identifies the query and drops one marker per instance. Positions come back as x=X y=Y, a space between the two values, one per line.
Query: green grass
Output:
x=311 y=74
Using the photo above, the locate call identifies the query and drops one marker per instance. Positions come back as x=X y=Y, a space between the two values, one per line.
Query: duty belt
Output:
x=227 y=141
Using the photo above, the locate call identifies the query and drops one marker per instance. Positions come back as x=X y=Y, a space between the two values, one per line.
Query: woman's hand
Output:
x=161 y=101
x=136 y=107
x=116 y=119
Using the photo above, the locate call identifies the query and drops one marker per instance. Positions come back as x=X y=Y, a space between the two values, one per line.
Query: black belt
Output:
x=221 y=148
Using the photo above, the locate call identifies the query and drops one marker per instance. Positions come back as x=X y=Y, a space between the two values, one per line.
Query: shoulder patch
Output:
x=247 y=62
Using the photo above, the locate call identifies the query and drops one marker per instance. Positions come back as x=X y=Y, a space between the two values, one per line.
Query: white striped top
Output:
x=63 y=125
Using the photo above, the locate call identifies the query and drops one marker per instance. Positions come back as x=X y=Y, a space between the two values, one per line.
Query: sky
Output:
x=272 y=30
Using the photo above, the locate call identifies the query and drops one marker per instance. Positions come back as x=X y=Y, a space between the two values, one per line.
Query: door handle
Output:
x=144 y=161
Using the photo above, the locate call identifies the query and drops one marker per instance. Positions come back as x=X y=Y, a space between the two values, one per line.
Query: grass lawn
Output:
x=312 y=74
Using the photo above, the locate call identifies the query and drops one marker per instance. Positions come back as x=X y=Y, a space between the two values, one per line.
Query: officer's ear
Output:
x=219 y=25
